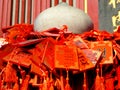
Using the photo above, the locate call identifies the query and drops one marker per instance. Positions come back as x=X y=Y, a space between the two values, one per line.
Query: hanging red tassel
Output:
x=84 y=85
x=0 y=83
x=97 y=80
x=16 y=86
x=61 y=82
x=58 y=85
x=44 y=85
x=25 y=82
x=67 y=86
x=102 y=79
x=9 y=74
x=51 y=82
x=118 y=76
x=109 y=84
x=51 y=87
x=102 y=83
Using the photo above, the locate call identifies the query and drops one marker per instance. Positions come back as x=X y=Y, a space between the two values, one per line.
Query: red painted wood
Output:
x=93 y=12
x=4 y=16
x=56 y=2
x=71 y=2
x=43 y=5
x=29 y=11
x=16 y=11
x=81 y=4
x=78 y=3
x=48 y=3
x=23 y=12
x=63 y=0
x=36 y=8
x=39 y=6
x=1 y=13
x=9 y=13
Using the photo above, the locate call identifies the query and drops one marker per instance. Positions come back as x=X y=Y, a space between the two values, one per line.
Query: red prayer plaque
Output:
x=84 y=61
x=48 y=54
x=78 y=42
x=106 y=48
x=36 y=69
x=92 y=55
x=19 y=57
x=66 y=57
x=37 y=52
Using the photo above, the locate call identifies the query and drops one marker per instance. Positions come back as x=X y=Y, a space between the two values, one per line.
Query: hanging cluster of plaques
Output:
x=37 y=60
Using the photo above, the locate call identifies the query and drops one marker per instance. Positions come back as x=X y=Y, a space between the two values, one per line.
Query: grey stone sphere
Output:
x=76 y=20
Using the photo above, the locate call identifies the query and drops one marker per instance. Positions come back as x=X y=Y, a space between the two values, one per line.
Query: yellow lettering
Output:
x=118 y=16
x=112 y=2
x=114 y=18
x=118 y=1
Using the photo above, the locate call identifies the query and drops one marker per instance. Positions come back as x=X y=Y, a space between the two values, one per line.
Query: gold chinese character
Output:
x=118 y=16
x=116 y=20
x=112 y=2
x=118 y=1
